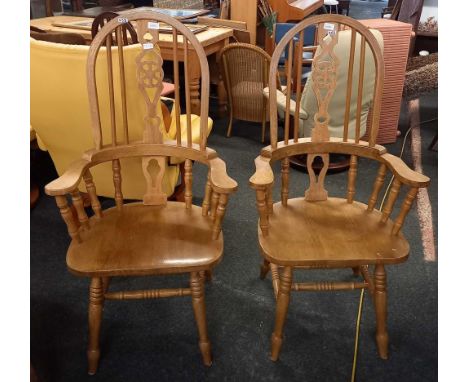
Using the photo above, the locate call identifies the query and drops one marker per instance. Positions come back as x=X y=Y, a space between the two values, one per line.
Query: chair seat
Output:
x=331 y=233
x=143 y=240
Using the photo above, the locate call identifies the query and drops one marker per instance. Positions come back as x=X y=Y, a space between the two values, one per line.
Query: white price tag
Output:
x=148 y=45
x=153 y=25
x=329 y=27
x=122 y=20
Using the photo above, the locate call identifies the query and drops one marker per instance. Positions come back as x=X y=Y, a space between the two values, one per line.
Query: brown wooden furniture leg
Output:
x=264 y=268
x=282 y=304
x=105 y=283
x=222 y=95
x=194 y=82
x=380 y=300
x=96 y=300
x=198 y=302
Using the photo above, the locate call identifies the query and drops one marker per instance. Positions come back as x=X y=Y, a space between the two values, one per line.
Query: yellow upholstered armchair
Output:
x=61 y=118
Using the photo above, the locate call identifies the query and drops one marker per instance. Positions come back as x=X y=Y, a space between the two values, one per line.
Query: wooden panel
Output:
x=242 y=10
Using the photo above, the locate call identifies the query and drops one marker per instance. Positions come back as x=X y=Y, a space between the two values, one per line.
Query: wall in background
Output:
x=429 y=9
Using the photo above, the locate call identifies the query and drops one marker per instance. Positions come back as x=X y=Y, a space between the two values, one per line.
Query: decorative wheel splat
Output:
x=150 y=83
x=324 y=76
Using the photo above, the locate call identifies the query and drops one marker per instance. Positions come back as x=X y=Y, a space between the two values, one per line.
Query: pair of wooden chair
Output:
x=157 y=237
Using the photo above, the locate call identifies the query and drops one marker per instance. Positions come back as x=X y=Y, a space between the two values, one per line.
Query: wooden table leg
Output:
x=194 y=74
x=222 y=95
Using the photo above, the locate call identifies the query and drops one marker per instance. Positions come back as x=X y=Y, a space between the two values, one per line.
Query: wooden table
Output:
x=212 y=40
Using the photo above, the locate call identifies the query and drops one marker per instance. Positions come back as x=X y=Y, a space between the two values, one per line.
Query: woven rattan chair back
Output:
x=245 y=73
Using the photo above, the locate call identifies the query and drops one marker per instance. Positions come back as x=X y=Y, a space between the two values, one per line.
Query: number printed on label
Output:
x=329 y=27
x=148 y=45
x=122 y=20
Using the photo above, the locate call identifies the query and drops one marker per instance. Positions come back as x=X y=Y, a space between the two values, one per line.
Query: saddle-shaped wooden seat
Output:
x=144 y=240
x=301 y=233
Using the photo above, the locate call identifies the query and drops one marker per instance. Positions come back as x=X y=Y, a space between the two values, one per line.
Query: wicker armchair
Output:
x=245 y=74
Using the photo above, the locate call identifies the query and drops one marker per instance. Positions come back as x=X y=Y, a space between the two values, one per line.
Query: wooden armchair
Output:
x=318 y=231
x=156 y=236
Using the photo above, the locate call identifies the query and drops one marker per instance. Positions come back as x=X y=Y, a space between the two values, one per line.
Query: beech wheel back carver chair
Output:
x=318 y=231
x=156 y=236
x=245 y=73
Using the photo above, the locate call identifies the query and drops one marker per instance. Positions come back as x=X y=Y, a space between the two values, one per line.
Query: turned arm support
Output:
x=261 y=182
x=220 y=180
x=403 y=173
x=69 y=181
x=218 y=189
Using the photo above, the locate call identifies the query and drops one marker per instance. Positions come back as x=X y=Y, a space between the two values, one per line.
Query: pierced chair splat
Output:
x=319 y=230
x=155 y=236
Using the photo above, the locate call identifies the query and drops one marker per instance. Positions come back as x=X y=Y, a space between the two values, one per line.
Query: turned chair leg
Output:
x=96 y=300
x=264 y=269
x=380 y=301
x=105 y=284
x=282 y=304
x=206 y=275
x=198 y=303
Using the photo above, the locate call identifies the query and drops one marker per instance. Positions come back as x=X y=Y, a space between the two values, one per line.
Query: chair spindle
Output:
x=220 y=212
x=269 y=199
x=188 y=107
x=91 y=188
x=404 y=210
x=362 y=59
x=349 y=85
x=117 y=177
x=207 y=197
x=110 y=79
x=288 y=92
x=284 y=181
x=188 y=177
x=77 y=201
x=352 y=178
x=387 y=210
x=379 y=181
x=175 y=60
x=68 y=218
x=214 y=204
x=262 y=209
x=299 y=53
x=123 y=93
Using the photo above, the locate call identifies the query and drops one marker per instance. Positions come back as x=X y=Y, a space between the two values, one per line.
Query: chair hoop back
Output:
x=324 y=76
x=149 y=76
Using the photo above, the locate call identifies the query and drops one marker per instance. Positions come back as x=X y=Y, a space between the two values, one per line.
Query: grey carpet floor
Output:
x=157 y=339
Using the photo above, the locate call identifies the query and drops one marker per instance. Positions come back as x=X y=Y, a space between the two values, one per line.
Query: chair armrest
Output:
x=263 y=173
x=69 y=181
x=403 y=173
x=281 y=102
x=220 y=180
